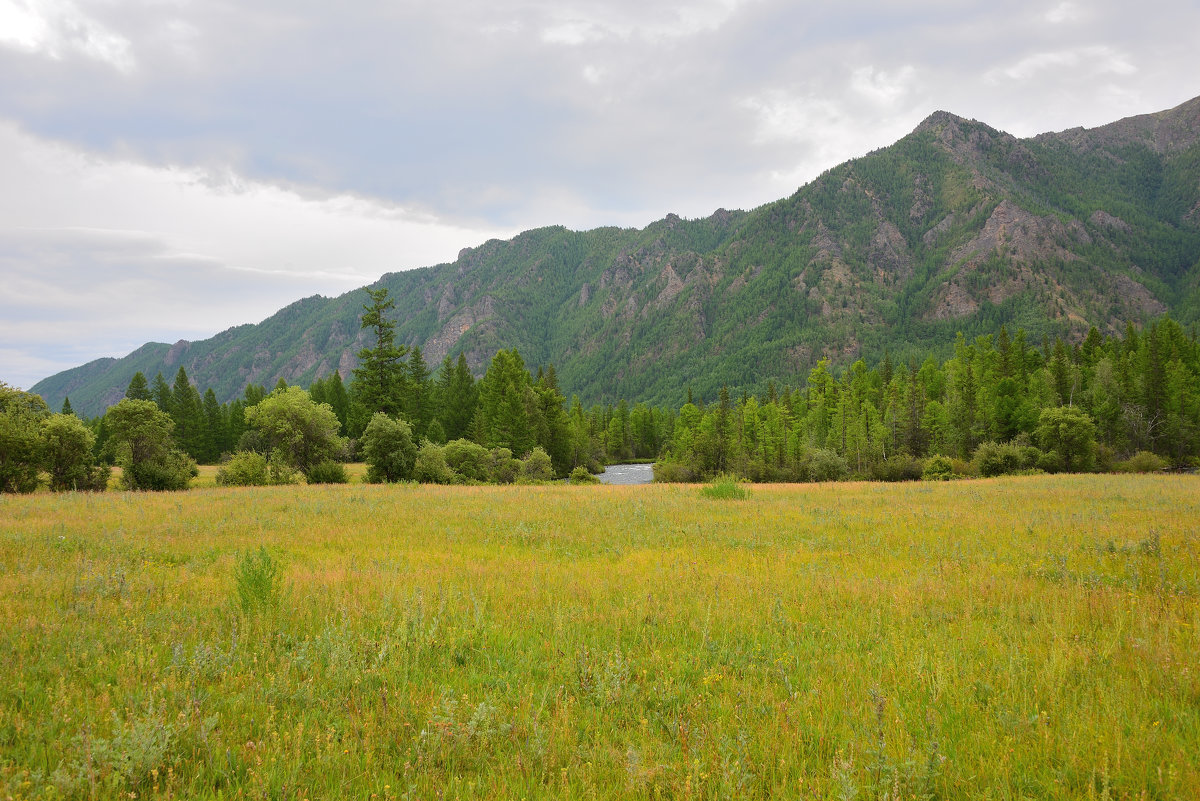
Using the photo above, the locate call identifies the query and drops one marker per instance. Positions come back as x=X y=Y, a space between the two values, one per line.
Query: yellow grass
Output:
x=1024 y=637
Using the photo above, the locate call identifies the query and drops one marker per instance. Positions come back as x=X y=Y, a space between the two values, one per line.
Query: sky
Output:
x=170 y=168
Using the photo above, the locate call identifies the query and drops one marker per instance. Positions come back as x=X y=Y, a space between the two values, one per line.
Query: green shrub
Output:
x=824 y=465
x=670 y=472
x=580 y=475
x=328 y=472
x=537 y=466
x=172 y=471
x=388 y=449
x=1142 y=462
x=470 y=460
x=430 y=466
x=938 y=468
x=244 y=469
x=255 y=577
x=280 y=470
x=726 y=488
x=995 y=459
x=898 y=467
x=502 y=467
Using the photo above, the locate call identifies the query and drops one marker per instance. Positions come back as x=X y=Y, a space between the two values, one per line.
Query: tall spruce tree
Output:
x=379 y=377
x=138 y=389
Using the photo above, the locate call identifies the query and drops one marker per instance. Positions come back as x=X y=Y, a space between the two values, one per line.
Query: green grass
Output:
x=1023 y=637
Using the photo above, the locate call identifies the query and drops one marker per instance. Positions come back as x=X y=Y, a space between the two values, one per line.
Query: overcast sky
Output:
x=170 y=168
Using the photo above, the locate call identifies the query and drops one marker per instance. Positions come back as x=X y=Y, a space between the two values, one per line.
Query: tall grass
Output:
x=1023 y=637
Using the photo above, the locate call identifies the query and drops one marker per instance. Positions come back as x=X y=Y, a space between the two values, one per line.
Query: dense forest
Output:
x=999 y=405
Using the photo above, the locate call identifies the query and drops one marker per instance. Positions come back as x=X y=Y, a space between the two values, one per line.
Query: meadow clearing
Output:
x=1025 y=637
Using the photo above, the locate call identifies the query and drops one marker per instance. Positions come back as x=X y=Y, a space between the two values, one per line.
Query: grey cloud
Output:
x=72 y=296
x=507 y=115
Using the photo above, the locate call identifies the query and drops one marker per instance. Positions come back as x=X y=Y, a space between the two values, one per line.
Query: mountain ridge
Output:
x=957 y=226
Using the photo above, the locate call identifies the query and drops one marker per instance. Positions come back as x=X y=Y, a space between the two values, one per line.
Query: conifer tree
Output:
x=138 y=388
x=379 y=377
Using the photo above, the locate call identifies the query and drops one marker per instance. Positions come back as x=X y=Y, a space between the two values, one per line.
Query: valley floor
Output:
x=1024 y=637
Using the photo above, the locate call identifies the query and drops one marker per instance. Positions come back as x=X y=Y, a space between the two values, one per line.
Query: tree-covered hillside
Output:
x=955 y=228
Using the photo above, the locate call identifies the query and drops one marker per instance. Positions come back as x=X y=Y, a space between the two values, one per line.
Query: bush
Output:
x=898 y=467
x=938 y=468
x=430 y=466
x=1070 y=434
x=67 y=446
x=669 y=472
x=280 y=470
x=502 y=467
x=580 y=475
x=825 y=465
x=244 y=469
x=173 y=471
x=328 y=472
x=726 y=488
x=1142 y=462
x=254 y=576
x=995 y=459
x=388 y=449
x=537 y=466
x=470 y=460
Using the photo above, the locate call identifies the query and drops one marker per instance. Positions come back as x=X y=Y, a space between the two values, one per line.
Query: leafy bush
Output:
x=995 y=459
x=537 y=466
x=67 y=446
x=580 y=475
x=470 y=460
x=388 y=449
x=724 y=488
x=172 y=471
x=280 y=470
x=244 y=469
x=671 y=472
x=899 y=467
x=502 y=467
x=1142 y=462
x=328 y=472
x=825 y=465
x=430 y=466
x=255 y=577
x=938 y=468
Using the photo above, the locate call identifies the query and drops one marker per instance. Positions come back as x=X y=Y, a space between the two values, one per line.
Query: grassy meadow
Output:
x=1031 y=637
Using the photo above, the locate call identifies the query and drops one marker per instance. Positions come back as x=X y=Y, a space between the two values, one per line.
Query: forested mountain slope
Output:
x=956 y=227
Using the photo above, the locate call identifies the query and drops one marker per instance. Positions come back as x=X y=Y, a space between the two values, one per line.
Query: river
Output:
x=627 y=474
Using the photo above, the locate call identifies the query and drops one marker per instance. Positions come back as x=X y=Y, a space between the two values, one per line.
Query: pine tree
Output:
x=216 y=432
x=66 y=407
x=161 y=394
x=379 y=377
x=187 y=410
x=419 y=396
x=138 y=388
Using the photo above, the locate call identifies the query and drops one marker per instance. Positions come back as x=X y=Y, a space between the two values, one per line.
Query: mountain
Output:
x=956 y=227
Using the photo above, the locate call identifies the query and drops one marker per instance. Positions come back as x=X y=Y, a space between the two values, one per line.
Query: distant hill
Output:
x=956 y=227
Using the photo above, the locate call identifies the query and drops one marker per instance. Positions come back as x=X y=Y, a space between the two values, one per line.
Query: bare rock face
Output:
x=674 y=285
x=1163 y=132
x=889 y=255
x=176 y=353
x=1103 y=219
x=438 y=346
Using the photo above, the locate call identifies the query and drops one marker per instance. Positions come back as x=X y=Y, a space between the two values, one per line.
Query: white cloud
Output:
x=56 y=27
x=1092 y=60
x=883 y=87
x=1064 y=12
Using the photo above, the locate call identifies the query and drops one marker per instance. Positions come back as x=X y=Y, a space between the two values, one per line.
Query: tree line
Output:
x=999 y=405
x=160 y=431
